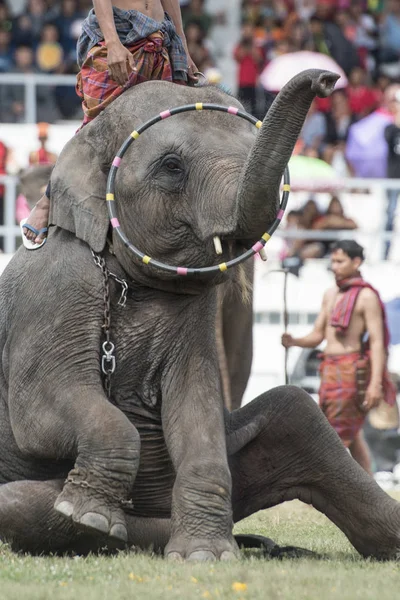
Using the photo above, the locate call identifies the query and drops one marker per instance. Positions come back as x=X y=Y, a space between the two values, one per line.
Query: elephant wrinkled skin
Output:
x=71 y=460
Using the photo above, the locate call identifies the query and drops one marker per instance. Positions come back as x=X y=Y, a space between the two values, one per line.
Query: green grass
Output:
x=342 y=574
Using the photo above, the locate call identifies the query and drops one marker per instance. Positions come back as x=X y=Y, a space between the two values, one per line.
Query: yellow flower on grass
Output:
x=238 y=586
x=132 y=576
x=193 y=580
x=63 y=583
x=206 y=594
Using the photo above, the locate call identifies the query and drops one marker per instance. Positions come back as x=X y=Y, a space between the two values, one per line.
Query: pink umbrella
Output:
x=282 y=68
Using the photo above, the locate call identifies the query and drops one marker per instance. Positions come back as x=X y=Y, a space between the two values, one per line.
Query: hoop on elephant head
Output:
x=148 y=260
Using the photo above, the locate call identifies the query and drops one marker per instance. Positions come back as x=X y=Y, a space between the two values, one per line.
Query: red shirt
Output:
x=248 y=67
x=362 y=100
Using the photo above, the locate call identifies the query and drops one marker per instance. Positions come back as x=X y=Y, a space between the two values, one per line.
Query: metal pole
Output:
x=286 y=272
x=9 y=214
x=30 y=99
x=285 y=321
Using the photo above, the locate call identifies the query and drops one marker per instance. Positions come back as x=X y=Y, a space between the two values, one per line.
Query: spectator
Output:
x=362 y=99
x=197 y=14
x=332 y=37
x=5 y=51
x=293 y=223
x=313 y=132
x=66 y=21
x=390 y=33
x=42 y=156
x=5 y=17
x=22 y=32
x=49 y=53
x=365 y=34
x=333 y=220
x=195 y=42
x=307 y=248
x=392 y=136
x=366 y=147
x=37 y=13
x=249 y=59
x=15 y=94
x=338 y=122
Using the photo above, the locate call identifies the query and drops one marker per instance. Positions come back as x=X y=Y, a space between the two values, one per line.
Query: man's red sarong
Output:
x=339 y=396
x=98 y=90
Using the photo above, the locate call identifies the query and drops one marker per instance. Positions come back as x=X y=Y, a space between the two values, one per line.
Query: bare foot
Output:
x=39 y=218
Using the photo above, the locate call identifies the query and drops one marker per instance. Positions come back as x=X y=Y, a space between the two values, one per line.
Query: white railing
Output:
x=11 y=232
x=30 y=82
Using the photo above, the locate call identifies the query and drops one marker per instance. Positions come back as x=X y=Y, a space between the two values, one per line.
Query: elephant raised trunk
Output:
x=257 y=198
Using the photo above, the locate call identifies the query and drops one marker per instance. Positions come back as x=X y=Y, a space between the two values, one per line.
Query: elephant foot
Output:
x=182 y=548
x=92 y=511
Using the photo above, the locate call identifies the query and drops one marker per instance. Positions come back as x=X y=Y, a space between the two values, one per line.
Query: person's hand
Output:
x=373 y=396
x=287 y=340
x=192 y=70
x=120 y=62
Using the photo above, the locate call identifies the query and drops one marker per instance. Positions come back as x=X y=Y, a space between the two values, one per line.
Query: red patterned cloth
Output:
x=98 y=90
x=341 y=314
x=338 y=394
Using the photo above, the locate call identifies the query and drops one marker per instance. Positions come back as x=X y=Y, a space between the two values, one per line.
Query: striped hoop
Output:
x=144 y=258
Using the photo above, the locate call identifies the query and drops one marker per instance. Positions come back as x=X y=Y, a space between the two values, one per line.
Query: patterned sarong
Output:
x=156 y=47
x=338 y=397
x=98 y=90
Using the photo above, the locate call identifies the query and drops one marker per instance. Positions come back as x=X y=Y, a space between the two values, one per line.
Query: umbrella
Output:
x=282 y=68
x=312 y=174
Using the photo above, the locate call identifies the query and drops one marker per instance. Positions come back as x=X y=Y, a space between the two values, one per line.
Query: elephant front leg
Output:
x=83 y=426
x=201 y=520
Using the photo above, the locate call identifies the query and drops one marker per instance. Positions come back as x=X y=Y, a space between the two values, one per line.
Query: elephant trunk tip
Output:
x=324 y=83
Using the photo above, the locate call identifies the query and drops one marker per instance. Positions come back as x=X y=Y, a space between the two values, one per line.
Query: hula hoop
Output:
x=147 y=260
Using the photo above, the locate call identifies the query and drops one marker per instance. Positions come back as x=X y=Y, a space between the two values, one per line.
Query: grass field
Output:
x=340 y=574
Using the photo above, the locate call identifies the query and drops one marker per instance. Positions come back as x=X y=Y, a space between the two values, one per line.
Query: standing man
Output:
x=123 y=43
x=354 y=375
x=392 y=136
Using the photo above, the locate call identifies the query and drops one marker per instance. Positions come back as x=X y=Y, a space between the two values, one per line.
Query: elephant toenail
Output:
x=228 y=555
x=174 y=556
x=65 y=508
x=202 y=555
x=94 y=521
x=119 y=532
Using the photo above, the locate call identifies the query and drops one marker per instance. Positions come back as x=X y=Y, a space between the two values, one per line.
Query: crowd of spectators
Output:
x=357 y=129
x=41 y=38
x=361 y=36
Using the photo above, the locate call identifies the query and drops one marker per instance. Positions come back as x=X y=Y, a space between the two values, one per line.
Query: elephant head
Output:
x=184 y=181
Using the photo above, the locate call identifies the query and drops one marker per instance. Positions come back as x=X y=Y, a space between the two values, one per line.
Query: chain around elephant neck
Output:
x=108 y=362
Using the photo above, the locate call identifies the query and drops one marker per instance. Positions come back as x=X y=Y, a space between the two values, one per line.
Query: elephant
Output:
x=147 y=455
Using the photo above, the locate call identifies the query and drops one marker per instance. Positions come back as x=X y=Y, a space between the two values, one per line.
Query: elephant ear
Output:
x=78 y=187
x=33 y=182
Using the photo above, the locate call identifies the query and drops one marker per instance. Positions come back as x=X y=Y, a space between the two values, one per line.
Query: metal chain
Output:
x=108 y=362
x=125 y=504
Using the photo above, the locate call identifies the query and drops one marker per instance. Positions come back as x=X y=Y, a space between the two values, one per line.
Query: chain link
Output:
x=108 y=362
x=125 y=504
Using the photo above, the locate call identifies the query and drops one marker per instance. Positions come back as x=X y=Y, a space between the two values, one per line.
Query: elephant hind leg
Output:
x=29 y=523
x=295 y=453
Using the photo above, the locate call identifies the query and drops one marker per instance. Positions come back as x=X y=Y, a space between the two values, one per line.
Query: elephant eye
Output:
x=173 y=164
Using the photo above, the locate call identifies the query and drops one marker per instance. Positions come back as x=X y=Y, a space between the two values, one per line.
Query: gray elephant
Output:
x=159 y=462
